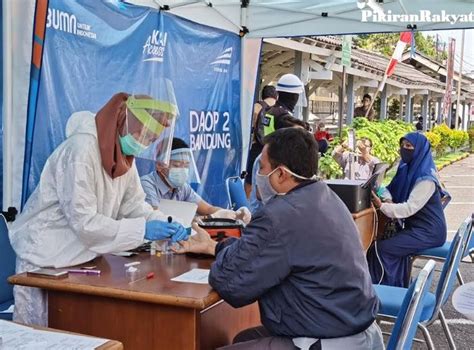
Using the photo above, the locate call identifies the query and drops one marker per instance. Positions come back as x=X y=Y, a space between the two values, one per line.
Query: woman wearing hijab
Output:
x=413 y=200
x=89 y=200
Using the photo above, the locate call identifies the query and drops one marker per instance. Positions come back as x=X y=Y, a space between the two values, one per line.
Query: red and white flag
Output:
x=405 y=38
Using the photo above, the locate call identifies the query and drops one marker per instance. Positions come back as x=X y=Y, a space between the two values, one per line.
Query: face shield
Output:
x=181 y=168
x=302 y=100
x=149 y=124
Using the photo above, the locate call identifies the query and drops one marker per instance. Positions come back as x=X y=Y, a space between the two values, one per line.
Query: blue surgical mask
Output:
x=130 y=146
x=178 y=176
x=406 y=154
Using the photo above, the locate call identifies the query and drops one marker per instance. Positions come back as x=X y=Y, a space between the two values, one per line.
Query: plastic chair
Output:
x=7 y=268
x=440 y=253
x=236 y=193
x=409 y=315
x=391 y=298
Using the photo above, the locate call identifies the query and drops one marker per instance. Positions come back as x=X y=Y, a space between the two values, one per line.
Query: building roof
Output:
x=364 y=63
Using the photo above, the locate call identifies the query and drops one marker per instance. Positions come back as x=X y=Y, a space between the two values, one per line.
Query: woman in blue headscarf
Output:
x=413 y=199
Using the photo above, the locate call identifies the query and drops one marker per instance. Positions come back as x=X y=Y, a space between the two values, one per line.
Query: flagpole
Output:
x=405 y=37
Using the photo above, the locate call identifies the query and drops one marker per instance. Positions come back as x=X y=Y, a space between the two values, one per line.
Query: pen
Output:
x=148 y=276
x=85 y=272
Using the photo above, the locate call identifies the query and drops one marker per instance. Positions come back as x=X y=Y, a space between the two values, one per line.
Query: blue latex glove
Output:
x=182 y=234
x=156 y=230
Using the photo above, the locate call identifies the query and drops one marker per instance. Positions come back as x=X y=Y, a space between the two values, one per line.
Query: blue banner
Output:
x=94 y=49
x=1 y=105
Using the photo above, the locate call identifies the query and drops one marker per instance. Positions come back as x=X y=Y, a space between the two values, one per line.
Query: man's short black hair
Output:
x=367 y=96
x=294 y=148
x=178 y=144
x=269 y=91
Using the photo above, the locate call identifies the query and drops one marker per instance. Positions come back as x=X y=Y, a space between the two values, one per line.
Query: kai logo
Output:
x=222 y=60
x=155 y=46
x=67 y=22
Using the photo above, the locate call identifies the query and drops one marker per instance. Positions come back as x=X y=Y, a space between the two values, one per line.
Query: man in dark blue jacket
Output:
x=300 y=257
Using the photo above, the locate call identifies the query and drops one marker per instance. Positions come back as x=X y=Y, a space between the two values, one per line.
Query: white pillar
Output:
x=383 y=103
x=425 y=112
x=463 y=116
x=401 y=107
x=439 y=110
x=409 y=108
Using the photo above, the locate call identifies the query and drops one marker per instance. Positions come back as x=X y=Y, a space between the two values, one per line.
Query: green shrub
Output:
x=457 y=139
x=385 y=136
x=444 y=132
x=470 y=133
x=434 y=139
x=328 y=167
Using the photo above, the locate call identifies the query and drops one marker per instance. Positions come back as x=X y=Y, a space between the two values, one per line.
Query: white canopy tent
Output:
x=253 y=19
x=277 y=18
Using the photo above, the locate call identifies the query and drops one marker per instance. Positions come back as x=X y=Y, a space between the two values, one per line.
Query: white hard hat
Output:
x=290 y=83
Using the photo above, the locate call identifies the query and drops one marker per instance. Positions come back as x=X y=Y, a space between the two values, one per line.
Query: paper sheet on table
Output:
x=200 y=276
x=16 y=337
x=9 y=310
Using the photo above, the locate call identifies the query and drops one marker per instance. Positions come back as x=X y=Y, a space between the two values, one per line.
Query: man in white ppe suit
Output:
x=89 y=200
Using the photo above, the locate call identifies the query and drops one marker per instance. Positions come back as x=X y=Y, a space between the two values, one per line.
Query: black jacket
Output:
x=302 y=259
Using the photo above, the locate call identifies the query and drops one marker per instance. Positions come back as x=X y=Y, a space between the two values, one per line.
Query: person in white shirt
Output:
x=364 y=161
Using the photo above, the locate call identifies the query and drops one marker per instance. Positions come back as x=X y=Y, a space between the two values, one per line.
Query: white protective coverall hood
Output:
x=77 y=210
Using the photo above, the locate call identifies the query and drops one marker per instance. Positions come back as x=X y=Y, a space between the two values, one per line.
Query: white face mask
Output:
x=265 y=187
x=178 y=176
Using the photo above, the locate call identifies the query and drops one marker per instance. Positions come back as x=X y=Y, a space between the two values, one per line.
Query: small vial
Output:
x=132 y=273
x=153 y=248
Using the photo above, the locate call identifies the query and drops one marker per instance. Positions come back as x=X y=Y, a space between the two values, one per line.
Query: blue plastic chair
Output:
x=236 y=193
x=7 y=268
x=391 y=298
x=409 y=315
x=440 y=253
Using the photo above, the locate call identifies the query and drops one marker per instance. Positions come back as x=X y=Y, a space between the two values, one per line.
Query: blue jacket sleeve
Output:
x=248 y=267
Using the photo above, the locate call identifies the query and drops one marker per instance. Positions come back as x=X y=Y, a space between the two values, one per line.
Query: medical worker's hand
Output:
x=182 y=234
x=244 y=215
x=224 y=214
x=156 y=230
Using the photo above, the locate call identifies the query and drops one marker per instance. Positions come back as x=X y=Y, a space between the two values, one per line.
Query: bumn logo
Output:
x=67 y=22
x=62 y=21
x=155 y=46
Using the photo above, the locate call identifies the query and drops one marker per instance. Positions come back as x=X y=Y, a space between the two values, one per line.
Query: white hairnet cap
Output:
x=290 y=83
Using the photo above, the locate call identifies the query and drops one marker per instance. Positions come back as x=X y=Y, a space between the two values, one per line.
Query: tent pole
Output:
x=7 y=103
